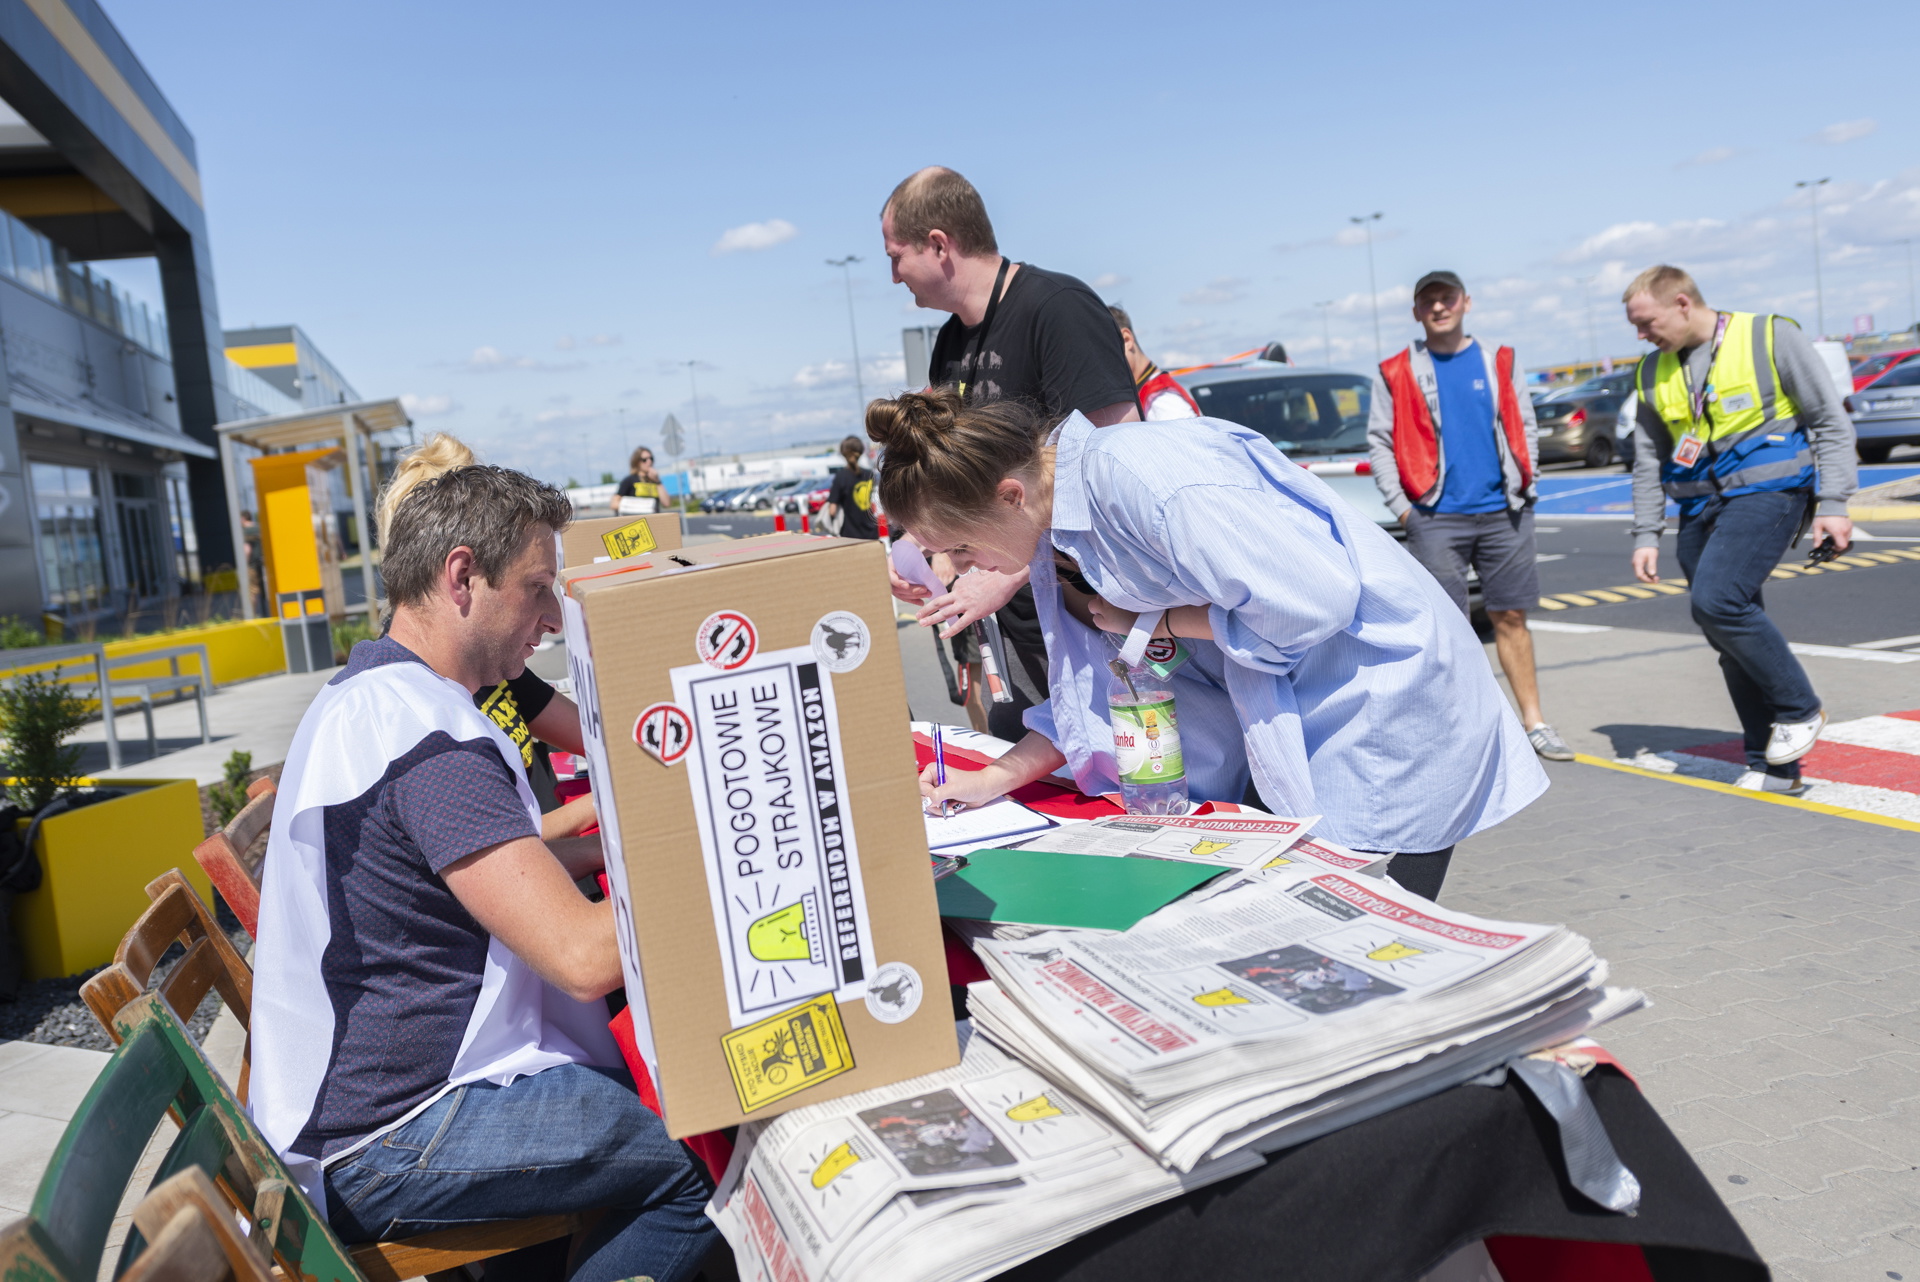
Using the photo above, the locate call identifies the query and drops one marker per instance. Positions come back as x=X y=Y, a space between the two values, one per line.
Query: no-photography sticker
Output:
x=726 y=640
x=664 y=732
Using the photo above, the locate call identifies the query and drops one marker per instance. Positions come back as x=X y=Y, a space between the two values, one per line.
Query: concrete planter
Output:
x=96 y=862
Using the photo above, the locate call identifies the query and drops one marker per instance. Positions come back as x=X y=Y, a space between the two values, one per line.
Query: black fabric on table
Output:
x=1389 y=1198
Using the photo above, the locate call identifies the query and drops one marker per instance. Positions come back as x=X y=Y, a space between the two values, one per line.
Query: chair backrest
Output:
x=157 y=1068
x=179 y=915
x=189 y=1233
x=223 y=855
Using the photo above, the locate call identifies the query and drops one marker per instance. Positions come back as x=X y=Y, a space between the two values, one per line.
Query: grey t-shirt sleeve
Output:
x=1823 y=417
x=1652 y=443
x=459 y=800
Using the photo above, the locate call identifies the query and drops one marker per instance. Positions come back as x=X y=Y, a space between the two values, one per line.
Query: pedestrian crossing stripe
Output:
x=1620 y=593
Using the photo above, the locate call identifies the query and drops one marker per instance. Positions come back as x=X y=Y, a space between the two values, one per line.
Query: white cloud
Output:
x=1711 y=156
x=1109 y=280
x=1221 y=289
x=604 y=340
x=427 y=406
x=565 y=343
x=754 y=236
x=878 y=371
x=1846 y=131
x=489 y=360
x=1646 y=239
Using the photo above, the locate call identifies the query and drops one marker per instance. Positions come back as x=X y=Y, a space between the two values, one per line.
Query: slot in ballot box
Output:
x=747 y=734
x=612 y=538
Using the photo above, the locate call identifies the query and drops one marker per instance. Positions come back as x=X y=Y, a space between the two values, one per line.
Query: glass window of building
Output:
x=67 y=514
x=136 y=501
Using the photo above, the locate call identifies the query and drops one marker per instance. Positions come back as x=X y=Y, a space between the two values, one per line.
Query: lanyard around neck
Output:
x=1700 y=397
x=977 y=354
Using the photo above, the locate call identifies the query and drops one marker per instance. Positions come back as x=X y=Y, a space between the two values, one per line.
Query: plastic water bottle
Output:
x=1146 y=742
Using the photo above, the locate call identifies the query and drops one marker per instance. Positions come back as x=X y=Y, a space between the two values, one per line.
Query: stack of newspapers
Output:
x=1272 y=1007
x=952 y=1176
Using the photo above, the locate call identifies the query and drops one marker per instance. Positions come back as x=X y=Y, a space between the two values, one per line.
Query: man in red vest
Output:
x=1161 y=396
x=1451 y=436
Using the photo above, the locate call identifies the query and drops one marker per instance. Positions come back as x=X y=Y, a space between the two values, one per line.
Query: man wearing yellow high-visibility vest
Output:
x=1739 y=424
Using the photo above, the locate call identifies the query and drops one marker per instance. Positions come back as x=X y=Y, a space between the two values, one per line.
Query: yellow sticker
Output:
x=1221 y=997
x=784 y=1054
x=629 y=540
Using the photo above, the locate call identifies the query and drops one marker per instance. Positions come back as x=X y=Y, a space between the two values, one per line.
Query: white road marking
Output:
x=1554 y=625
x=1891 y=643
x=1848 y=652
x=1539 y=557
x=1889 y=734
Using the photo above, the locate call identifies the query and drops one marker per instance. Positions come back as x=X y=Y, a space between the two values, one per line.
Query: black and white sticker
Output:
x=841 y=641
x=894 y=992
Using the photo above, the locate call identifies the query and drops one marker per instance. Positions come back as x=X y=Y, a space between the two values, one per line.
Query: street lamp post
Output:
x=859 y=386
x=1813 y=186
x=1912 y=306
x=1373 y=290
x=699 y=437
x=1326 y=331
x=1586 y=300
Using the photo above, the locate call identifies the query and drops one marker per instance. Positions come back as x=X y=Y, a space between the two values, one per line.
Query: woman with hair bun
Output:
x=532 y=713
x=1326 y=672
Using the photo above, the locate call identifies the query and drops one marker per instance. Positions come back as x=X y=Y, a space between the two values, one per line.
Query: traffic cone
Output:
x=780 y=521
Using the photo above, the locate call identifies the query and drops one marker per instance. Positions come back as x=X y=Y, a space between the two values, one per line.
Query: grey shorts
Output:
x=1498 y=545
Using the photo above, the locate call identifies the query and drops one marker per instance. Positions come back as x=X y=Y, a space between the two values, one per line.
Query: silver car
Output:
x=1886 y=412
x=1318 y=418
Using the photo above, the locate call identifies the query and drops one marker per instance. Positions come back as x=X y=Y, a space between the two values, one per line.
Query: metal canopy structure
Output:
x=351 y=426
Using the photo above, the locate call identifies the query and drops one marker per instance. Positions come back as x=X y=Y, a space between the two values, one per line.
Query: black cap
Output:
x=1440 y=278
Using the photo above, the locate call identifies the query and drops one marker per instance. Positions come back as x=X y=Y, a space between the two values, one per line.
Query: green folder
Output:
x=1047 y=888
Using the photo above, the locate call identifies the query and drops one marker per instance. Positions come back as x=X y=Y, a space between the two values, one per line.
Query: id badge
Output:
x=1162 y=657
x=1688 y=451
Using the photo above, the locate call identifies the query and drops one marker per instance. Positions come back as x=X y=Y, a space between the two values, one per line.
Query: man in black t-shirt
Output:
x=1017 y=332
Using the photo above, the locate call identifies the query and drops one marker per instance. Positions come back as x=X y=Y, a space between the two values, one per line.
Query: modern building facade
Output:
x=288 y=361
x=111 y=495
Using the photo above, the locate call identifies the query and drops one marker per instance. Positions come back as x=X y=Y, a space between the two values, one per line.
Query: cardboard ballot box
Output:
x=611 y=538
x=747 y=732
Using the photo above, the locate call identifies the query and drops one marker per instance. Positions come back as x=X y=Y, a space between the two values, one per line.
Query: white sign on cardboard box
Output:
x=783 y=870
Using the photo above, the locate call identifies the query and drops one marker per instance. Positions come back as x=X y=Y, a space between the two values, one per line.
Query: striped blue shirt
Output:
x=1339 y=673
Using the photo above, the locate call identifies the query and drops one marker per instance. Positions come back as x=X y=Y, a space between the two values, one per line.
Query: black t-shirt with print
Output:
x=1053 y=344
x=513 y=706
x=852 y=494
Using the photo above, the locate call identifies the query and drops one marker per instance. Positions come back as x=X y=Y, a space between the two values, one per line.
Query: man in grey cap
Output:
x=1451 y=436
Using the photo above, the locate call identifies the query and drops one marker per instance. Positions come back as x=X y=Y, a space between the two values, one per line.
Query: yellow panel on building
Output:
x=264 y=355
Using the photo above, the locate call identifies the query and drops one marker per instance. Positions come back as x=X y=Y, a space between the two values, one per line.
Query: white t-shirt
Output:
x=1168 y=404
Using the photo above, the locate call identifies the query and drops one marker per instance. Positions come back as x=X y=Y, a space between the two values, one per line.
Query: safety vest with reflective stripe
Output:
x=1751 y=428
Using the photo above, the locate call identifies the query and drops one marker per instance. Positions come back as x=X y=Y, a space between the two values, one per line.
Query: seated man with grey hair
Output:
x=429 y=1044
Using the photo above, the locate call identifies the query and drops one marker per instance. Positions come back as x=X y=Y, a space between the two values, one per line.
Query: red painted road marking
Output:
x=1836 y=762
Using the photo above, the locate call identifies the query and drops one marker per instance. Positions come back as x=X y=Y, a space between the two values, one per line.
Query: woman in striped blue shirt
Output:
x=1329 y=674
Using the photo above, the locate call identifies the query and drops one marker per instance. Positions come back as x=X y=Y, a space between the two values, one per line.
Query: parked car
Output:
x=804 y=498
x=1577 y=423
x=1318 y=418
x=1864 y=372
x=1886 y=412
x=718 y=500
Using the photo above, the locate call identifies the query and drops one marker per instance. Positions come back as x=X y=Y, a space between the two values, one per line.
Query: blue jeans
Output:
x=1727 y=550
x=567 y=1140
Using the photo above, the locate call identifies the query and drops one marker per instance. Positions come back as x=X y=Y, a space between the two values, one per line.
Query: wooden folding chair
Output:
x=190 y=1236
x=158 y=1070
x=177 y=913
x=224 y=855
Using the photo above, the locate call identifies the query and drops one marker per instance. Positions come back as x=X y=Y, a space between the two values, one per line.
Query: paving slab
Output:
x=1783 y=1047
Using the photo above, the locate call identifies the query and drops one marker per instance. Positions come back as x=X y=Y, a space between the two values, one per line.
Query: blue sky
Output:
x=513 y=215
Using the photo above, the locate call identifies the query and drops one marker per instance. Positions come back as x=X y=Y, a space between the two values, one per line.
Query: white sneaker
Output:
x=1754 y=781
x=1794 y=740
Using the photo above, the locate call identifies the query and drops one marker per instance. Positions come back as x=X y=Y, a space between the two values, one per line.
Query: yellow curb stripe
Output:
x=1902 y=512
x=1798 y=803
x=1548 y=603
x=1636 y=591
x=1574 y=598
x=1611 y=598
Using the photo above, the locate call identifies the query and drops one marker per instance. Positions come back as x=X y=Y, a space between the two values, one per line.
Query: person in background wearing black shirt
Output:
x=641 y=482
x=1018 y=332
x=851 y=495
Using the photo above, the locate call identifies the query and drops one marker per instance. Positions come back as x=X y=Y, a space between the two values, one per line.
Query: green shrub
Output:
x=37 y=717
x=230 y=796
x=16 y=635
x=351 y=633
